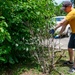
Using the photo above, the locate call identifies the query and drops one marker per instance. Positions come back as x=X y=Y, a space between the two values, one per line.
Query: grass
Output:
x=34 y=69
x=60 y=67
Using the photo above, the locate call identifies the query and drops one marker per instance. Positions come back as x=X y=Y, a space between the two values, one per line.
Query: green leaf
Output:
x=7 y=50
x=2 y=38
x=2 y=59
x=5 y=24
x=2 y=18
x=1 y=29
x=11 y=60
x=8 y=37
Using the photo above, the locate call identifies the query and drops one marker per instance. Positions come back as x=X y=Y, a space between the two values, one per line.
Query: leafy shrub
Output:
x=25 y=21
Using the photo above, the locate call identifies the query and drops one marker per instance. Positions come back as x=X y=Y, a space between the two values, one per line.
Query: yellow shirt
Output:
x=71 y=20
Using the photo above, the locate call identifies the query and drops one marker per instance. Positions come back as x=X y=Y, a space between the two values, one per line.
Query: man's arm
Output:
x=62 y=29
x=64 y=22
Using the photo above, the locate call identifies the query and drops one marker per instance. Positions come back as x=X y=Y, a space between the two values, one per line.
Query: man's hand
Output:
x=51 y=31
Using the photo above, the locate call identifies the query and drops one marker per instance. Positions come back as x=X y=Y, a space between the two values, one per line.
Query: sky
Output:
x=59 y=1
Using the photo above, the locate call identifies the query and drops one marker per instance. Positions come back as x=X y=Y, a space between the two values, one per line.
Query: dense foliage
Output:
x=21 y=21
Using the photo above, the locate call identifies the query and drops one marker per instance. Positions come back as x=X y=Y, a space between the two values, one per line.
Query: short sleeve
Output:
x=70 y=16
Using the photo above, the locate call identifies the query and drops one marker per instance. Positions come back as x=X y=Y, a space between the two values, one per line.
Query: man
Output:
x=69 y=19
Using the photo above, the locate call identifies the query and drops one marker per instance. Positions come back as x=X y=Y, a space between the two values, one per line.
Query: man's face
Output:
x=67 y=9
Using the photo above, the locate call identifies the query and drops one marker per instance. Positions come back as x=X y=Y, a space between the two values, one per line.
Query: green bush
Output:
x=5 y=38
x=25 y=21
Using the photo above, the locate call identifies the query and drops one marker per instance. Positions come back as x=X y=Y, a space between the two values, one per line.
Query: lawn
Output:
x=34 y=69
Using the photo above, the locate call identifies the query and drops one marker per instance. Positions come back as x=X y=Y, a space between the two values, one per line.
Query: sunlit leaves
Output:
x=23 y=23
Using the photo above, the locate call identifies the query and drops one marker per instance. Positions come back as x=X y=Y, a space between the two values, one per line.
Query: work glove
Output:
x=57 y=36
x=51 y=31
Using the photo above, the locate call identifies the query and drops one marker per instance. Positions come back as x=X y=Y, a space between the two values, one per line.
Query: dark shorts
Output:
x=71 y=43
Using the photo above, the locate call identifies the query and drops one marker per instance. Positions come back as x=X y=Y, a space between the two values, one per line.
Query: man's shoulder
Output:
x=72 y=12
